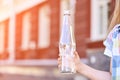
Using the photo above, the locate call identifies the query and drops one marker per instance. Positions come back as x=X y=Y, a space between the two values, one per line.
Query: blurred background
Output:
x=30 y=31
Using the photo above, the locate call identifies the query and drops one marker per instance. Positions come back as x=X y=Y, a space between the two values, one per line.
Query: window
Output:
x=2 y=34
x=44 y=26
x=26 y=26
x=99 y=19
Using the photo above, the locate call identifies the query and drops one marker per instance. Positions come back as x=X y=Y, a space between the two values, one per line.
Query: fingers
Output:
x=76 y=54
x=76 y=58
x=59 y=62
x=59 y=66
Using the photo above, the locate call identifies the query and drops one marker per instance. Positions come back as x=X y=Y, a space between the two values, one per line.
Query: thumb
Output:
x=76 y=54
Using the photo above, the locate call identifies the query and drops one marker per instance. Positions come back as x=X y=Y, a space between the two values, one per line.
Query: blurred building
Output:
x=30 y=29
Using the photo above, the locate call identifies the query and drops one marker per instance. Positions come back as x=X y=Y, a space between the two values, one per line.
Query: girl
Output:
x=112 y=44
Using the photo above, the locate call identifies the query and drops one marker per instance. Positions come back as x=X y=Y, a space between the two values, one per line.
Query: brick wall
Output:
x=5 y=54
x=82 y=31
x=82 y=25
x=52 y=51
x=47 y=53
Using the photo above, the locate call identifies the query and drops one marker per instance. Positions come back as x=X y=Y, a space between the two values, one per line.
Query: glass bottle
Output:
x=67 y=45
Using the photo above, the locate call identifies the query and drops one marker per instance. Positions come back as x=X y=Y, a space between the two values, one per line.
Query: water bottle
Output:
x=67 y=45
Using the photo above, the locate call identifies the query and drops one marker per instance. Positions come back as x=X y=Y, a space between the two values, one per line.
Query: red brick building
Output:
x=30 y=29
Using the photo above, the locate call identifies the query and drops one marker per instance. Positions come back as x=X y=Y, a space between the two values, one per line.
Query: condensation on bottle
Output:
x=67 y=45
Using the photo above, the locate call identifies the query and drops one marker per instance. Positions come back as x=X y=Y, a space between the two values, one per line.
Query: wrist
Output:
x=79 y=67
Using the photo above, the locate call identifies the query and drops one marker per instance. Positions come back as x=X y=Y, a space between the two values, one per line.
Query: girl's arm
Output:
x=89 y=72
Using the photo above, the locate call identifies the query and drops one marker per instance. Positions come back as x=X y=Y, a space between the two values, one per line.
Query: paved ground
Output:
x=21 y=77
x=98 y=61
x=35 y=73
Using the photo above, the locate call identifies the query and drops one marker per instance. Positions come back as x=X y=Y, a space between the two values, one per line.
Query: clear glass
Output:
x=67 y=45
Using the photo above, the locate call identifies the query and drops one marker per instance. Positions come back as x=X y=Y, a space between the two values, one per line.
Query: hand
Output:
x=75 y=59
x=59 y=62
